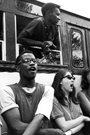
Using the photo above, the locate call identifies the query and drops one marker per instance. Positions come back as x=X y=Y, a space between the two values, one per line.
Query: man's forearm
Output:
x=34 y=126
x=30 y=42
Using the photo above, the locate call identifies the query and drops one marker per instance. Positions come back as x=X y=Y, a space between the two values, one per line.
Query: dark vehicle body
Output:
x=16 y=14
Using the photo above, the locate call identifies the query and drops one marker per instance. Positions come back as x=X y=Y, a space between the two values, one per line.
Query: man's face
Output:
x=28 y=66
x=54 y=17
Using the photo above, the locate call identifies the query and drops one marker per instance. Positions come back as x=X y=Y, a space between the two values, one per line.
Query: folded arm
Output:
x=75 y=130
x=70 y=124
x=19 y=127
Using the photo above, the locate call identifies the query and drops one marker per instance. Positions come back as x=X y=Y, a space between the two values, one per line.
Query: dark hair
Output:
x=59 y=93
x=49 y=7
x=84 y=80
x=18 y=59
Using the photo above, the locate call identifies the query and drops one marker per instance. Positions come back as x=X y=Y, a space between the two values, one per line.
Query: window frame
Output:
x=84 y=47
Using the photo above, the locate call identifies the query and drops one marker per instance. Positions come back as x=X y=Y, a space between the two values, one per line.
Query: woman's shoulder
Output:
x=55 y=99
x=56 y=102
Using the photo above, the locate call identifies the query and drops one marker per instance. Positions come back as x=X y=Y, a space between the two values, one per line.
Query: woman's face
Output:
x=67 y=82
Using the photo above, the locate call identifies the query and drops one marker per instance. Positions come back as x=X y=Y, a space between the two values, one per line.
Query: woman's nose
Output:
x=72 y=80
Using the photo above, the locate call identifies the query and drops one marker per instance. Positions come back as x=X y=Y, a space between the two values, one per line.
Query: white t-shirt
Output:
x=7 y=100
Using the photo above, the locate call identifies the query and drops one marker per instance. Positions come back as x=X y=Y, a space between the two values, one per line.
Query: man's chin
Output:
x=31 y=77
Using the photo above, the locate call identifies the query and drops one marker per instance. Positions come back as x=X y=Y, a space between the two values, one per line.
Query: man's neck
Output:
x=47 y=23
x=27 y=83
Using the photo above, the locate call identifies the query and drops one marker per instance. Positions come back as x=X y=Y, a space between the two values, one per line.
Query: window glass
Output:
x=76 y=46
x=28 y=7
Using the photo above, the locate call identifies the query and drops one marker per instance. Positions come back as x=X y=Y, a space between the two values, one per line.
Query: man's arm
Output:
x=46 y=103
x=12 y=117
x=34 y=126
x=29 y=42
x=32 y=36
x=29 y=35
x=10 y=112
x=84 y=102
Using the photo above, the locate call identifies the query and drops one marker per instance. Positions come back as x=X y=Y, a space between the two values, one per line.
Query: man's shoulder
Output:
x=36 y=21
x=6 y=92
x=40 y=85
x=6 y=89
x=47 y=88
x=13 y=85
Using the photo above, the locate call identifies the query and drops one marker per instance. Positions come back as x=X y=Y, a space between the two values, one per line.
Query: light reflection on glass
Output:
x=77 y=54
x=28 y=7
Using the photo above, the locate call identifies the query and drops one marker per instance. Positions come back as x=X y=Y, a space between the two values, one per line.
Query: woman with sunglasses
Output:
x=66 y=113
x=84 y=96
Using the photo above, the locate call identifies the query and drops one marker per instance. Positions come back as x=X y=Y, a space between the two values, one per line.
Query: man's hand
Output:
x=47 y=46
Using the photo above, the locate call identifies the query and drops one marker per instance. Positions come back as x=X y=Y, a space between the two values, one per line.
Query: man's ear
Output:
x=48 y=13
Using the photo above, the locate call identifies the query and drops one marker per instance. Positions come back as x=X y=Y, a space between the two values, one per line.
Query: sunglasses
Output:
x=69 y=77
x=28 y=60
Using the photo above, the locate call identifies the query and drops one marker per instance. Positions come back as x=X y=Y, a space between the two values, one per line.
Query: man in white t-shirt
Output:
x=27 y=104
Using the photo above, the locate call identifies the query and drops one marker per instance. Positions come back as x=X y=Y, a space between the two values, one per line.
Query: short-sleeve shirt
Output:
x=70 y=111
x=7 y=101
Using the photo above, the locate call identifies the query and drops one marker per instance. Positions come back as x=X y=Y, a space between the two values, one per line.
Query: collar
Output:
x=29 y=90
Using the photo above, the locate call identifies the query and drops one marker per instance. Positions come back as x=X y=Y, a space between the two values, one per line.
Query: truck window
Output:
x=28 y=7
x=76 y=46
